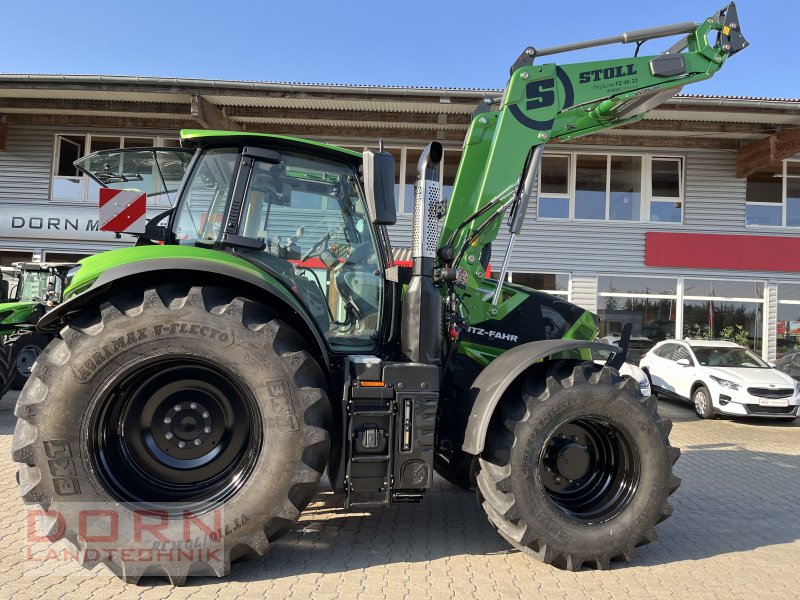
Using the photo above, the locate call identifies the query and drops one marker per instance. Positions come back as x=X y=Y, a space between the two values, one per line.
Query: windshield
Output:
x=709 y=356
x=206 y=195
x=33 y=286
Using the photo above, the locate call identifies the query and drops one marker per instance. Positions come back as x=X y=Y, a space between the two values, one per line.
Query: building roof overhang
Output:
x=762 y=130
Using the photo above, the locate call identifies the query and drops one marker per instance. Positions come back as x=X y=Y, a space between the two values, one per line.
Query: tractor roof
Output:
x=43 y=266
x=204 y=137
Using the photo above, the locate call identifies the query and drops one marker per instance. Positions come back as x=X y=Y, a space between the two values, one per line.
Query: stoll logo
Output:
x=140 y=539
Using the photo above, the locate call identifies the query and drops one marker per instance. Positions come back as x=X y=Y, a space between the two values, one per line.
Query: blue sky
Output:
x=407 y=43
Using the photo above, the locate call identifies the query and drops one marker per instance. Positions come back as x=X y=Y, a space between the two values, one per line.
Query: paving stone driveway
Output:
x=735 y=533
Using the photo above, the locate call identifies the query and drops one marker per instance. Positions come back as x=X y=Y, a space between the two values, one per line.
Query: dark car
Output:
x=637 y=347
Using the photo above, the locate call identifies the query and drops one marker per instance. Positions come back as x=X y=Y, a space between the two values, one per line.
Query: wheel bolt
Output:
x=547 y=469
x=167 y=420
x=193 y=405
x=206 y=429
x=197 y=442
x=181 y=444
x=556 y=479
x=168 y=435
x=205 y=415
x=177 y=407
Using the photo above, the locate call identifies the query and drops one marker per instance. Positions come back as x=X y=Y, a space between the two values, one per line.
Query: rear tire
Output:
x=461 y=470
x=118 y=403
x=26 y=347
x=577 y=466
x=701 y=401
x=6 y=368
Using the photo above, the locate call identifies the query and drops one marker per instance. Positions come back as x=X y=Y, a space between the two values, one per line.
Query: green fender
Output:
x=257 y=286
x=489 y=386
x=16 y=315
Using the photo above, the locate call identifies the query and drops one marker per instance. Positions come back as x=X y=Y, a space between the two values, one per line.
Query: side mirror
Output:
x=684 y=362
x=773 y=364
x=379 y=187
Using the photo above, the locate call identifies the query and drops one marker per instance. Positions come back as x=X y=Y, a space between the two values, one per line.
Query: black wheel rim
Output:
x=25 y=359
x=590 y=469
x=175 y=430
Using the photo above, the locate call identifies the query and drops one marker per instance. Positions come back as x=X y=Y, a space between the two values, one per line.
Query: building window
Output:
x=660 y=307
x=591 y=173
x=724 y=309
x=410 y=160
x=649 y=304
x=787 y=328
x=666 y=190
x=773 y=196
x=405 y=161
x=554 y=196
x=611 y=187
x=556 y=284
x=68 y=185
x=448 y=171
x=625 y=188
x=67 y=182
x=9 y=257
x=66 y=257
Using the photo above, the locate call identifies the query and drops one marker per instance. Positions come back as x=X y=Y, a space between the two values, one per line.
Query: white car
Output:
x=720 y=378
x=634 y=372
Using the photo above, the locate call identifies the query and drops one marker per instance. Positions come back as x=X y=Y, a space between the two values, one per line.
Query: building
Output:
x=684 y=223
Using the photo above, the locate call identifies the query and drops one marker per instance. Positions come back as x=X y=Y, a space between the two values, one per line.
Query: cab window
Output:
x=200 y=215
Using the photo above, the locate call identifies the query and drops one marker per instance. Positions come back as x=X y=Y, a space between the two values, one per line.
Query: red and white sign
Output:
x=123 y=211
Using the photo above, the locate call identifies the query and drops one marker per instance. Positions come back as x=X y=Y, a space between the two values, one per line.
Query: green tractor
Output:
x=260 y=333
x=32 y=289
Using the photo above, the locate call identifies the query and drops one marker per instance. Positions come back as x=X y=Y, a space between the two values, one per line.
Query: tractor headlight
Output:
x=727 y=384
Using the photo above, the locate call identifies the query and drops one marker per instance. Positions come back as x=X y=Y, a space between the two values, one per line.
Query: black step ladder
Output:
x=354 y=459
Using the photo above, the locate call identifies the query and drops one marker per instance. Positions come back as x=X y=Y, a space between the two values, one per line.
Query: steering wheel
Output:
x=310 y=252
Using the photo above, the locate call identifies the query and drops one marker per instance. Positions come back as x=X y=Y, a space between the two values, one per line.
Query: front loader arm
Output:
x=563 y=102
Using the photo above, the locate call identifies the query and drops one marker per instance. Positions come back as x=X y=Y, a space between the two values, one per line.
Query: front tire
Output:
x=175 y=397
x=577 y=466
x=701 y=401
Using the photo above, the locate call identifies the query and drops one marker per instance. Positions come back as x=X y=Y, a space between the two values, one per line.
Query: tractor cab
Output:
x=299 y=215
x=8 y=280
x=38 y=282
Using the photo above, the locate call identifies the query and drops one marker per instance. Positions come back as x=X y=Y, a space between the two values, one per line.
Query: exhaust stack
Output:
x=421 y=330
